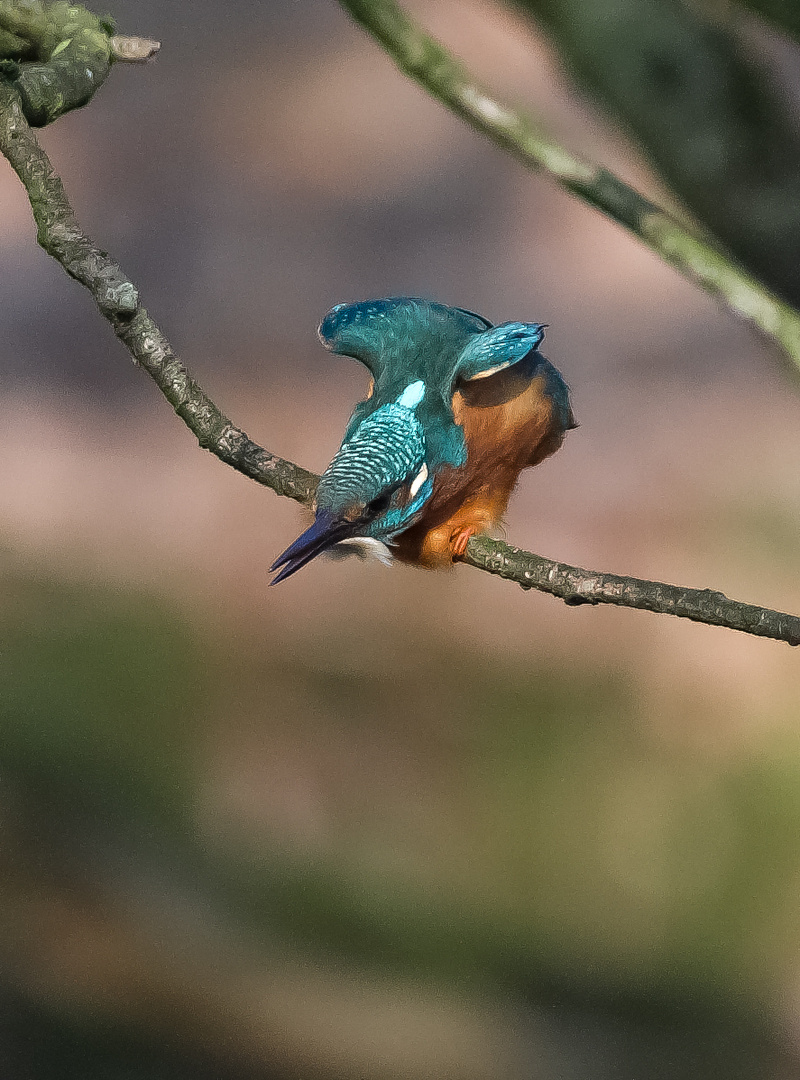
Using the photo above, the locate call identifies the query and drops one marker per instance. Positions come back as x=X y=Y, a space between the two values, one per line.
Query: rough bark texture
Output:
x=117 y=297
x=118 y=300
x=576 y=586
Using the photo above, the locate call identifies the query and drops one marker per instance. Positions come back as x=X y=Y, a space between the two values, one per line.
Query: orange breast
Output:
x=501 y=440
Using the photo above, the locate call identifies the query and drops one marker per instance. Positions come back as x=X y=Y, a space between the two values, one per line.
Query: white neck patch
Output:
x=412 y=395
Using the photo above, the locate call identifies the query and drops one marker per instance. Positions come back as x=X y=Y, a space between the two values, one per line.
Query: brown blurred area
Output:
x=417 y=824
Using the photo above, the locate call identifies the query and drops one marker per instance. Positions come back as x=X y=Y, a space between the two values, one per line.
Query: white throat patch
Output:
x=365 y=547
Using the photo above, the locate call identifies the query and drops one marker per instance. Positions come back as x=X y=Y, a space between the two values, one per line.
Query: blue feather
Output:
x=404 y=435
x=385 y=450
x=498 y=348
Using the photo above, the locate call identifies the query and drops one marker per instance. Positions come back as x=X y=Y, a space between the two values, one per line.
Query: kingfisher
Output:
x=455 y=410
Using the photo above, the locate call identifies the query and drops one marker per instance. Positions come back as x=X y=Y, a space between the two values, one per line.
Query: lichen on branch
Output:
x=576 y=586
x=55 y=54
x=117 y=298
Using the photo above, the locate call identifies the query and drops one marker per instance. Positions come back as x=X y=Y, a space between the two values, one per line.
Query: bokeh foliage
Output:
x=568 y=860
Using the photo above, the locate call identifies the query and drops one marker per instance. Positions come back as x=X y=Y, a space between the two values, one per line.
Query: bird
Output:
x=456 y=409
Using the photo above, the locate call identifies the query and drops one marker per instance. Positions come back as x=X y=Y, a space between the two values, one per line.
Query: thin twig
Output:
x=118 y=299
x=133 y=50
x=428 y=62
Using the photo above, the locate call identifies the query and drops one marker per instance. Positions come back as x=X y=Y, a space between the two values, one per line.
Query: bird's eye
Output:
x=379 y=505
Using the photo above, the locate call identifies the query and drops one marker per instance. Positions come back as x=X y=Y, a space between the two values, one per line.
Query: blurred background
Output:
x=382 y=823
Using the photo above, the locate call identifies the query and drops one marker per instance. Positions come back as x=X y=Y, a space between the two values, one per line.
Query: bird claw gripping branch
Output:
x=457 y=409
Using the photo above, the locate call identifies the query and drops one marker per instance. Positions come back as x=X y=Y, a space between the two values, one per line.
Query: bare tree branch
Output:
x=704 y=106
x=427 y=61
x=118 y=300
x=576 y=586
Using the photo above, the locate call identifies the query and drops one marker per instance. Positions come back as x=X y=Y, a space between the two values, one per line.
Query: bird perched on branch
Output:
x=457 y=408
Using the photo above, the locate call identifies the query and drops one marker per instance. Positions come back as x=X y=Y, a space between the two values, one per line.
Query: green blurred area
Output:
x=558 y=857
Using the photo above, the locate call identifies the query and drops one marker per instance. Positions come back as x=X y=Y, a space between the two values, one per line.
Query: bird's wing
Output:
x=496 y=349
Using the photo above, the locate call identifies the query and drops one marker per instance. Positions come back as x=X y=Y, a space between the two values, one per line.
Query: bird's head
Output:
x=398 y=439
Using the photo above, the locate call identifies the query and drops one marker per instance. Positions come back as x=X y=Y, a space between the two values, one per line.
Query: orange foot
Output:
x=459 y=540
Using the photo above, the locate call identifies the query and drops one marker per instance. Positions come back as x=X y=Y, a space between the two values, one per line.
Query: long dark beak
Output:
x=326 y=531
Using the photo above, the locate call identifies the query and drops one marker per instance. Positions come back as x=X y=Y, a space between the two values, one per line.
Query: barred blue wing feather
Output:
x=383 y=452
